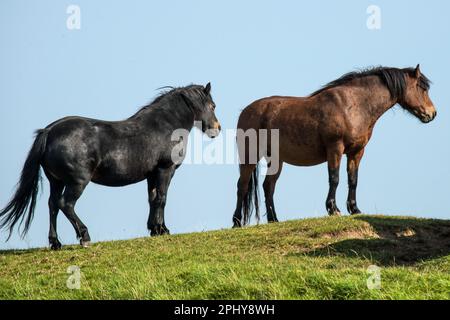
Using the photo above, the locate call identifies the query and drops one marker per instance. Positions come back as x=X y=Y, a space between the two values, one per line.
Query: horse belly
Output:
x=302 y=153
x=116 y=171
x=115 y=180
x=300 y=141
x=304 y=159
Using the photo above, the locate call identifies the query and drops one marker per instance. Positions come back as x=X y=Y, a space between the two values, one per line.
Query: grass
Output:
x=323 y=258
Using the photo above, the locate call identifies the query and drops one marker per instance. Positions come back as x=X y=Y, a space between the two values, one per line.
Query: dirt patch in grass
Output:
x=392 y=241
x=351 y=234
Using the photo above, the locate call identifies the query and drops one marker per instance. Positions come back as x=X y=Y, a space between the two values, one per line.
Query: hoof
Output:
x=166 y=231
x=158 y=234
x=55 y=246
x=334 y=211
x=354 y=211
x=159 y=230
x=85 y=244
x=352 y=208
x=237 y=223
x=332 y=208
x=335 y=214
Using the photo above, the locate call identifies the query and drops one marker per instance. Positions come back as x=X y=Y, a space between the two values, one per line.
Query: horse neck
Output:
x=374 y=98
x=180 y=115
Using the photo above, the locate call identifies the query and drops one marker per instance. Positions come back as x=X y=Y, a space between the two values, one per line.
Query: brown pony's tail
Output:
x=251 y=198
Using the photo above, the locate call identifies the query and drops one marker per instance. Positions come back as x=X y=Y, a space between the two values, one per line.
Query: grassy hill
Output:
x=325 y=258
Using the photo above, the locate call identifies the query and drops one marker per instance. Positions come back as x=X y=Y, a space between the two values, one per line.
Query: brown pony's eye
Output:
x=420 y=86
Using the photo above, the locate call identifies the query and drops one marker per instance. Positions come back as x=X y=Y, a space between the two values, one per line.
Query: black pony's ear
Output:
x=208 y=88
x=417 y=71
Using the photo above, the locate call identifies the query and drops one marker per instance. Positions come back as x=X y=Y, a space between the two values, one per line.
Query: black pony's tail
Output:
x=21 y=207
x=251 y=199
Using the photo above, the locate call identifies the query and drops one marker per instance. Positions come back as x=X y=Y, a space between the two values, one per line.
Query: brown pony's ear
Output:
x=208 y=88
x=417 y=71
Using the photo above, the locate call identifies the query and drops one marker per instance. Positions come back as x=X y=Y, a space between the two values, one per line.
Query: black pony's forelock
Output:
x=393 y=78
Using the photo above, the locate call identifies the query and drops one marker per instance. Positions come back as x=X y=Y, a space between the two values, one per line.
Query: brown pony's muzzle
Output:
x=434 y=115
x=428 y=116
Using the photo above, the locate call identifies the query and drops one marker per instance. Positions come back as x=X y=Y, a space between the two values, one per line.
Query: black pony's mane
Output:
x=168 y=93
x=393 y=78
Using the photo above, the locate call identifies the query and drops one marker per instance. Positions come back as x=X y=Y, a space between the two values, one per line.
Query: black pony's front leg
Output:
x=158 y=185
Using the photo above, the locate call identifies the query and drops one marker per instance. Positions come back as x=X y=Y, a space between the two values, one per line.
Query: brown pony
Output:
x=335 y=120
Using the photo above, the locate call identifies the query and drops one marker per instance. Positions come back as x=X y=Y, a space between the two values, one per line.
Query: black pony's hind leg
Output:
x=67 y=204
x=56 y=189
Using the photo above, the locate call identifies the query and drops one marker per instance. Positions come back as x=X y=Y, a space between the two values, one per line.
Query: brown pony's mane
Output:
x=393 y=78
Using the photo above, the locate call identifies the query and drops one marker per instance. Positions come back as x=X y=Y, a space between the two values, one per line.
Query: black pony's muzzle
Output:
x=214 y=130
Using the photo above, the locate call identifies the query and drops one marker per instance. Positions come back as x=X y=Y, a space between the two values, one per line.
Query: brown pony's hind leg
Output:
x=334 y=156
x=246 y=171
x=353 y=161
x=269 y=189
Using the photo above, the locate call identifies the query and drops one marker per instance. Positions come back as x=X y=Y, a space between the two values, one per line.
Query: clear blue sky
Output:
x=247 y=49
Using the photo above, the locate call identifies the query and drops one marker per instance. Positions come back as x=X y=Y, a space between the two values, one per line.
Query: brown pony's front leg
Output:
x=353 y=161
x=334 y=156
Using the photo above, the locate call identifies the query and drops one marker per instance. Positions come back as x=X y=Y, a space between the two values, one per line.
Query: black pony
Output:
x=74 y=151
